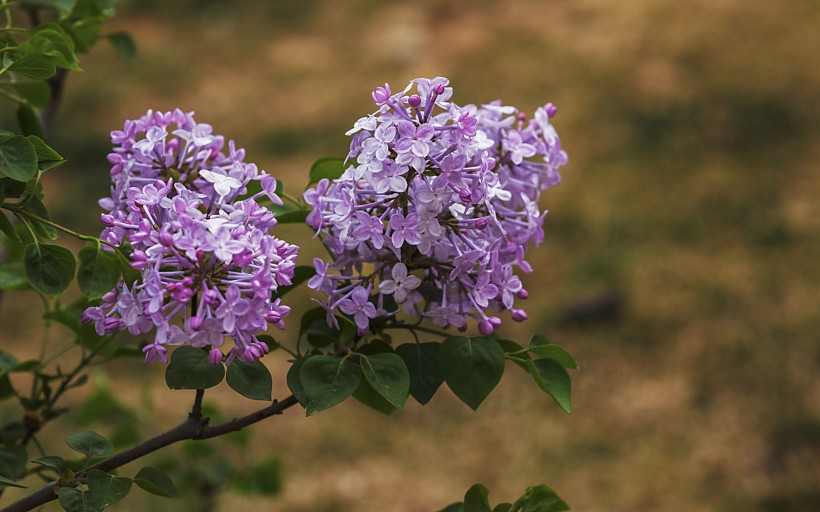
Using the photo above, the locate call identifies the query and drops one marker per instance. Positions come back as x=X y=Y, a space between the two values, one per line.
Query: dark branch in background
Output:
x=56 y=84
x=191 y=429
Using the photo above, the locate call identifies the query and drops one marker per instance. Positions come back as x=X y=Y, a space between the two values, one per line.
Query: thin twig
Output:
x=190 y=429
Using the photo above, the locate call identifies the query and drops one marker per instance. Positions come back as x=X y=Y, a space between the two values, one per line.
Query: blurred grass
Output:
x=680 y=263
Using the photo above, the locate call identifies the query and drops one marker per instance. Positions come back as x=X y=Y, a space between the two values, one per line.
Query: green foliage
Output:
x=325 y=168
x=155 y=481
x=421 y=360
x=472 y=367
x=535 y=499
x=294 y=381
x=91 y=444
x=18 y=158
x=98 y=271
x=12 y=464
x=262 y=479
x=189 y=368
x=124 y=44
x=49 y=268
x=251 y=380
x=553 y=379
x=319 y=334
x=103 y=491
x=328 y=380
x=388 y=376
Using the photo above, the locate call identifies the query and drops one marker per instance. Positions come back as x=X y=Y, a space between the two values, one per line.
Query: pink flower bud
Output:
x=414 y=100
x=196 y=322
x=215 y=356
x=519 y=315
x=486 y=327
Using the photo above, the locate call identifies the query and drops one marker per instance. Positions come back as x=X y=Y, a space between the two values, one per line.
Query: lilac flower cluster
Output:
x=208 y=263
x=435 y=210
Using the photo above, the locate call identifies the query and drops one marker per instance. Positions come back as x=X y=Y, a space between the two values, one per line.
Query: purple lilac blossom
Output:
x=438 y=205
x=208 y=265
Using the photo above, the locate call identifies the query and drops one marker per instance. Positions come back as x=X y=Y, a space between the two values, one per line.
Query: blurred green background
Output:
x=680 y=264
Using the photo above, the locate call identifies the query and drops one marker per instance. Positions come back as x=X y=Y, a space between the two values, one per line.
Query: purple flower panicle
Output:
x=209 y=267
x=436 y=208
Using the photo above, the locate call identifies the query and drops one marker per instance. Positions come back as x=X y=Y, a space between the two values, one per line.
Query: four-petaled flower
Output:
x=358 y=306
x=401 y=283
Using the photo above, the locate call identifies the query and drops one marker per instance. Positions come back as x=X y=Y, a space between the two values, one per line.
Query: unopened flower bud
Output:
x=519 y=315
x=215 y=356
x=107 y=219
x=551 y=109
x=414 y=100
x=196 y=322
x=481 y=223
x=522 y=294
x=485 y=327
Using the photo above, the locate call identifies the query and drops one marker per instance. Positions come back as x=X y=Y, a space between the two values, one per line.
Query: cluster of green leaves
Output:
x=102 y=489
x=32 y=56
x=383 y=377
x=535 y=499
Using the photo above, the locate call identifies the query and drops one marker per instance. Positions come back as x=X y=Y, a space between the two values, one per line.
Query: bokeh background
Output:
x=680 y=264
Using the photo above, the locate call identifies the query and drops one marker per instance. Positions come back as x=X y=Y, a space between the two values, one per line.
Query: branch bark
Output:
x=193 y=428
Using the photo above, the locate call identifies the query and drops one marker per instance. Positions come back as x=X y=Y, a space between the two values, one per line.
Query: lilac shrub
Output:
x=208 y=264
x=435 y=211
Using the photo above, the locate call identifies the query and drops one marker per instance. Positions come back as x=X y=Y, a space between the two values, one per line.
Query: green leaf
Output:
x=7 y=228
x=328 y=380
x=264 y=479
x=251 y=380
x=10 y=483
x=50 y=41
x=84 y=33
x=29 y=121
x=319 y=334
x=553 y=379
x=18 y=159
x=104 y=489
x=13 y=460
x=47 y=158
x=6 y=389
x=502 y=507
x=555 y=353
x=34 y=67
x=99 y=271
x=13 y=277
x=454 y=507
x=421 y=360
x=472 y=367
x=91 y=444
x=75 y=500
x=156 y=482
x=476 y=499
x=189 y=368
x=330 y=168
x=94 y=8
x=36 y=94
x=368 y=396
x=7 y=362
x=49 y=268
x=35 y=206
x=51 y=461
x=295 y=382
x=124 y=45
x=387 y=375
x=292 y=217
x=300 y=274
x=62 y=7
x=540 y=499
